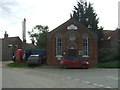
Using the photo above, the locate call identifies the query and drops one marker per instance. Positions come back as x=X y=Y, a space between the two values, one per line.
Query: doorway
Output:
x=72 y=52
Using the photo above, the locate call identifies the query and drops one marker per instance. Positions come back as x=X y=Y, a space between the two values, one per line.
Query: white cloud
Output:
x=49 y=12
x=107 y=11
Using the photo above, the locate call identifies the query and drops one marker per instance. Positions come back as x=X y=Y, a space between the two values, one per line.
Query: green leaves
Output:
x=41 y=28
x=38 y=36
x=85 y=13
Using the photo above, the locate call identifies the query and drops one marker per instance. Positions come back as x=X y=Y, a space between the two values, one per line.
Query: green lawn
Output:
x=17 y=65
x=111 y=64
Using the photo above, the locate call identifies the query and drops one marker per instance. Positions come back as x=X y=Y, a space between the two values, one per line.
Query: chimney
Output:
x=24 y=30
x=5 y=35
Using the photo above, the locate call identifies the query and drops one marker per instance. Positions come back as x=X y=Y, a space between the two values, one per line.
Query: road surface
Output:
x=59 y=78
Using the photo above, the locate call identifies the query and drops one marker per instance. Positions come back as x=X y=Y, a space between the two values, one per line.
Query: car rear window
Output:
x=73 y=58
x=33 y=57
x=77 y=59
x=68 y=58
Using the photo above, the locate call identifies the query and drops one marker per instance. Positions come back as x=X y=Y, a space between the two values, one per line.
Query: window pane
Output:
x=59 y=50
x=85 y=52
x=58 y=46
x=84 y=40
x=59 y=40
x=85 y=46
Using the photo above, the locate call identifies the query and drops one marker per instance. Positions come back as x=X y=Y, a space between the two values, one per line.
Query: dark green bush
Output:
x=105 y=55
x=111 y=64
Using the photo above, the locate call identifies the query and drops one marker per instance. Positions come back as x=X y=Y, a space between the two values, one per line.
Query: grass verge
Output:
x=17 y=65
x=111 y=64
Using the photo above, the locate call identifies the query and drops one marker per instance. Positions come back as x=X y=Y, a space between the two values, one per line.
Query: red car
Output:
x=73 y=62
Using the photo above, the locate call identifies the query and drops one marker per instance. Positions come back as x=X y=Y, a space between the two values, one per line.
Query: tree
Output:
x=85 y=13
x=38 y=36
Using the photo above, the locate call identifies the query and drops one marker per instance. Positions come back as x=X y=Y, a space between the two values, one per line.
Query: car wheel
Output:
x=84 y=67
x=39 y=63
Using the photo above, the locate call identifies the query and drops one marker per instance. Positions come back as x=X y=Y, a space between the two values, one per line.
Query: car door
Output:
x=67 y=61
x=74 y=62
x=70 y=62
x=80 y=62
x=77 y=62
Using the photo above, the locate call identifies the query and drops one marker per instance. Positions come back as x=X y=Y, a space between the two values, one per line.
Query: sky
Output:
x=51 y=13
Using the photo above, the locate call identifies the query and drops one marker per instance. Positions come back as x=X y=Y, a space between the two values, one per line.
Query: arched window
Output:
x=58 y=46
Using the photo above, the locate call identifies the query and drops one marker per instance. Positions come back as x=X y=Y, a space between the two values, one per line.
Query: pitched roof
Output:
x=31 y=45
x=108 y=34
x=69 y=22
x=12 y=39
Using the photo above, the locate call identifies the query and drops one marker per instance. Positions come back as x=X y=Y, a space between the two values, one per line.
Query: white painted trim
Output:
x=59 y=57
x=87 y=46
x=85 y=56
x=57 y=46
x=72 y=27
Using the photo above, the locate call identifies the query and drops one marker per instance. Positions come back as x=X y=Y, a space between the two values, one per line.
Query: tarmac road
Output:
x=0 y=74
x=59 y=78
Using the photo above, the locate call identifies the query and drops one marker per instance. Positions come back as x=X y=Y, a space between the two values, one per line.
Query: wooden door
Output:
x=72 y=52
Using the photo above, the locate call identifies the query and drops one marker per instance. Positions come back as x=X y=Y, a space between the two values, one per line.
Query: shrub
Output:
x=111 y=64
x=105 y=55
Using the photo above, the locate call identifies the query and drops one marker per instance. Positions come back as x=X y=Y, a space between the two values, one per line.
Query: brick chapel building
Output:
x=71 y=39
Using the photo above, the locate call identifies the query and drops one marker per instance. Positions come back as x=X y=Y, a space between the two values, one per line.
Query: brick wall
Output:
x=79 y=33
x=7 y=52
x=92 y=52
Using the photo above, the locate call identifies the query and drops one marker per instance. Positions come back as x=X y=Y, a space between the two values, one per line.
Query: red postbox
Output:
x=18 y=55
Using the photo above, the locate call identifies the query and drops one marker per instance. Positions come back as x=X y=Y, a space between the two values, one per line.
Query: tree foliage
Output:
x=85 y=13
x=38 y=36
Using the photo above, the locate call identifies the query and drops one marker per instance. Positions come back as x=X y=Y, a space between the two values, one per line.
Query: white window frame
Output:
x=85 y=55
x=10 y=45
x=72 y=27
x=57 y=54
x=16 y=46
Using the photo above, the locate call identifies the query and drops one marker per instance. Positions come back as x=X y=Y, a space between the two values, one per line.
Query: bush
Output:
x=111 y=64
x=105 y=55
